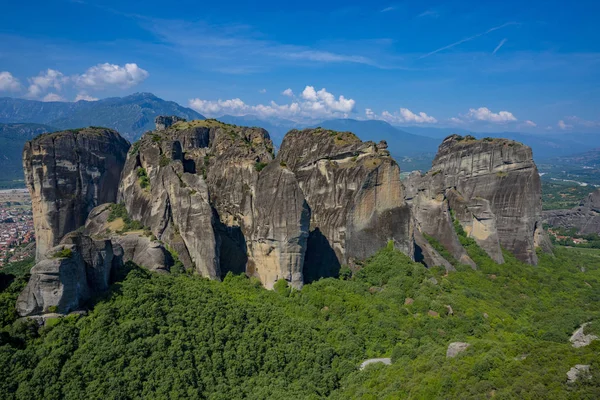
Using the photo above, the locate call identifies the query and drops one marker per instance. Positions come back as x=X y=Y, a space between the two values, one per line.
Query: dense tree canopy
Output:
x=177 y=336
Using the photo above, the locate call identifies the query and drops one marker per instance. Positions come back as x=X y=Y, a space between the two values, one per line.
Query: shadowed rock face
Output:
x=62 y=282
x=198 y=185
x=69 y=173
x=585 y=217
x=493 y=188
x=355 y=195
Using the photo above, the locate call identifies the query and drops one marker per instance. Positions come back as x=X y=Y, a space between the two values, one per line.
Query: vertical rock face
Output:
x=198 y=186
x=69 y=173
x=492 y=187
x=585 y=218
x=355 y=195
x=278 y=241
x=69 y=275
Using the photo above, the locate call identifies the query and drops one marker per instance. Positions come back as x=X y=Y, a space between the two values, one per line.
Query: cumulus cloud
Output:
x=8 y=82
x=103 y=75
x=530 y=123
x=53 y=97
x=44 y=81
x=312 y=105
x=485 y=114
x=563 y=125
x=456 y=120
x=288 y=92
x=404 y=116
x=85 y=96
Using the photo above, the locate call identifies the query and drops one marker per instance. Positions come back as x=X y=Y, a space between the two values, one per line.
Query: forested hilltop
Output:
x=175 y=336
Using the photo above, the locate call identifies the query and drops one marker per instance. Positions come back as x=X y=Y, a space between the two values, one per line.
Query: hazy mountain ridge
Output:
x=12 y=139
x=131 y=115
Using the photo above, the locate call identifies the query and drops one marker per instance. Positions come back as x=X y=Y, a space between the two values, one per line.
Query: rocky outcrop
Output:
x=200 y=187
x=69 y=173
x=585 y=218
x=355 y=195
x=68 y=276
x=163 y=122
x=129 y=245
x=580 y=339
x=456 y=348
x=579 y=371
x=278 y=241
x=491 y=187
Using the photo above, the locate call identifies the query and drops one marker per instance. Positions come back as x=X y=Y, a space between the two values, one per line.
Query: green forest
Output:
x=177 y=336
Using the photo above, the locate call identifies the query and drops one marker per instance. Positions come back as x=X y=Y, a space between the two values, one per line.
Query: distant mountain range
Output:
x=413 y=147
x=12 y=139
x=131 y=115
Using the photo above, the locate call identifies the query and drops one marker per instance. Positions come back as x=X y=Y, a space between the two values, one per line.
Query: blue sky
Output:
x=532 y=66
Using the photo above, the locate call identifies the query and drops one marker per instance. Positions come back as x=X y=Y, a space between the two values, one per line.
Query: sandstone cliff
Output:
x=585 y=218
x=355 y=195
x=69 y=173
x=198 y=186
x=69 y=275
x=493 y=189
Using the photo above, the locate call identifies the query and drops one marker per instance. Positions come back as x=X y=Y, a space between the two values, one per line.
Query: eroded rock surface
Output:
x=456 y=348
x=69 y=173
x=200 y=187
x=580 y=339
x=585 y=218
x=355 y=195
x=493 y=189
x=68 y=275
x=577 y=372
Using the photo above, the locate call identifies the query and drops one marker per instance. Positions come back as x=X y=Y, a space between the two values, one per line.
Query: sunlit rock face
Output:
x=355 y=195
x=68 y=173
x=491 y=187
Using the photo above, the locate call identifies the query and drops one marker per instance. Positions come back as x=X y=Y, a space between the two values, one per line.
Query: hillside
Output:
x=130 y=115
x=12 y=139
x=178 y=336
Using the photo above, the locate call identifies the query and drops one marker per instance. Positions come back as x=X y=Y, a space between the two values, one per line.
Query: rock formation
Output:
x=69 y=275
x=198 y=186
x=355 y=195
x=455 y=348
x=585 y=218
x=491 y=187
x=69 y=173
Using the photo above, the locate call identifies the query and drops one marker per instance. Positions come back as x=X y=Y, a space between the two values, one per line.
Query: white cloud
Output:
x=485 y=114
x=387 y=9
x=456 y=120
x=263 y=91
x=288 y=92
x=103 y=75
x=44 y=81
x=530 y=123
x=404 y=116
x=8 y=82
x=564 y=126
x=314 y=105
x=53 y=97
x=85 y=96
x=582 y=122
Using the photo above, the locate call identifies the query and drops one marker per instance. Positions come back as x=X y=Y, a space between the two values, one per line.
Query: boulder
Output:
x=68 y=173
x=456 y=348
x=578 y=371
x=385 y=361
x=580 y=339
x=68 y=276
